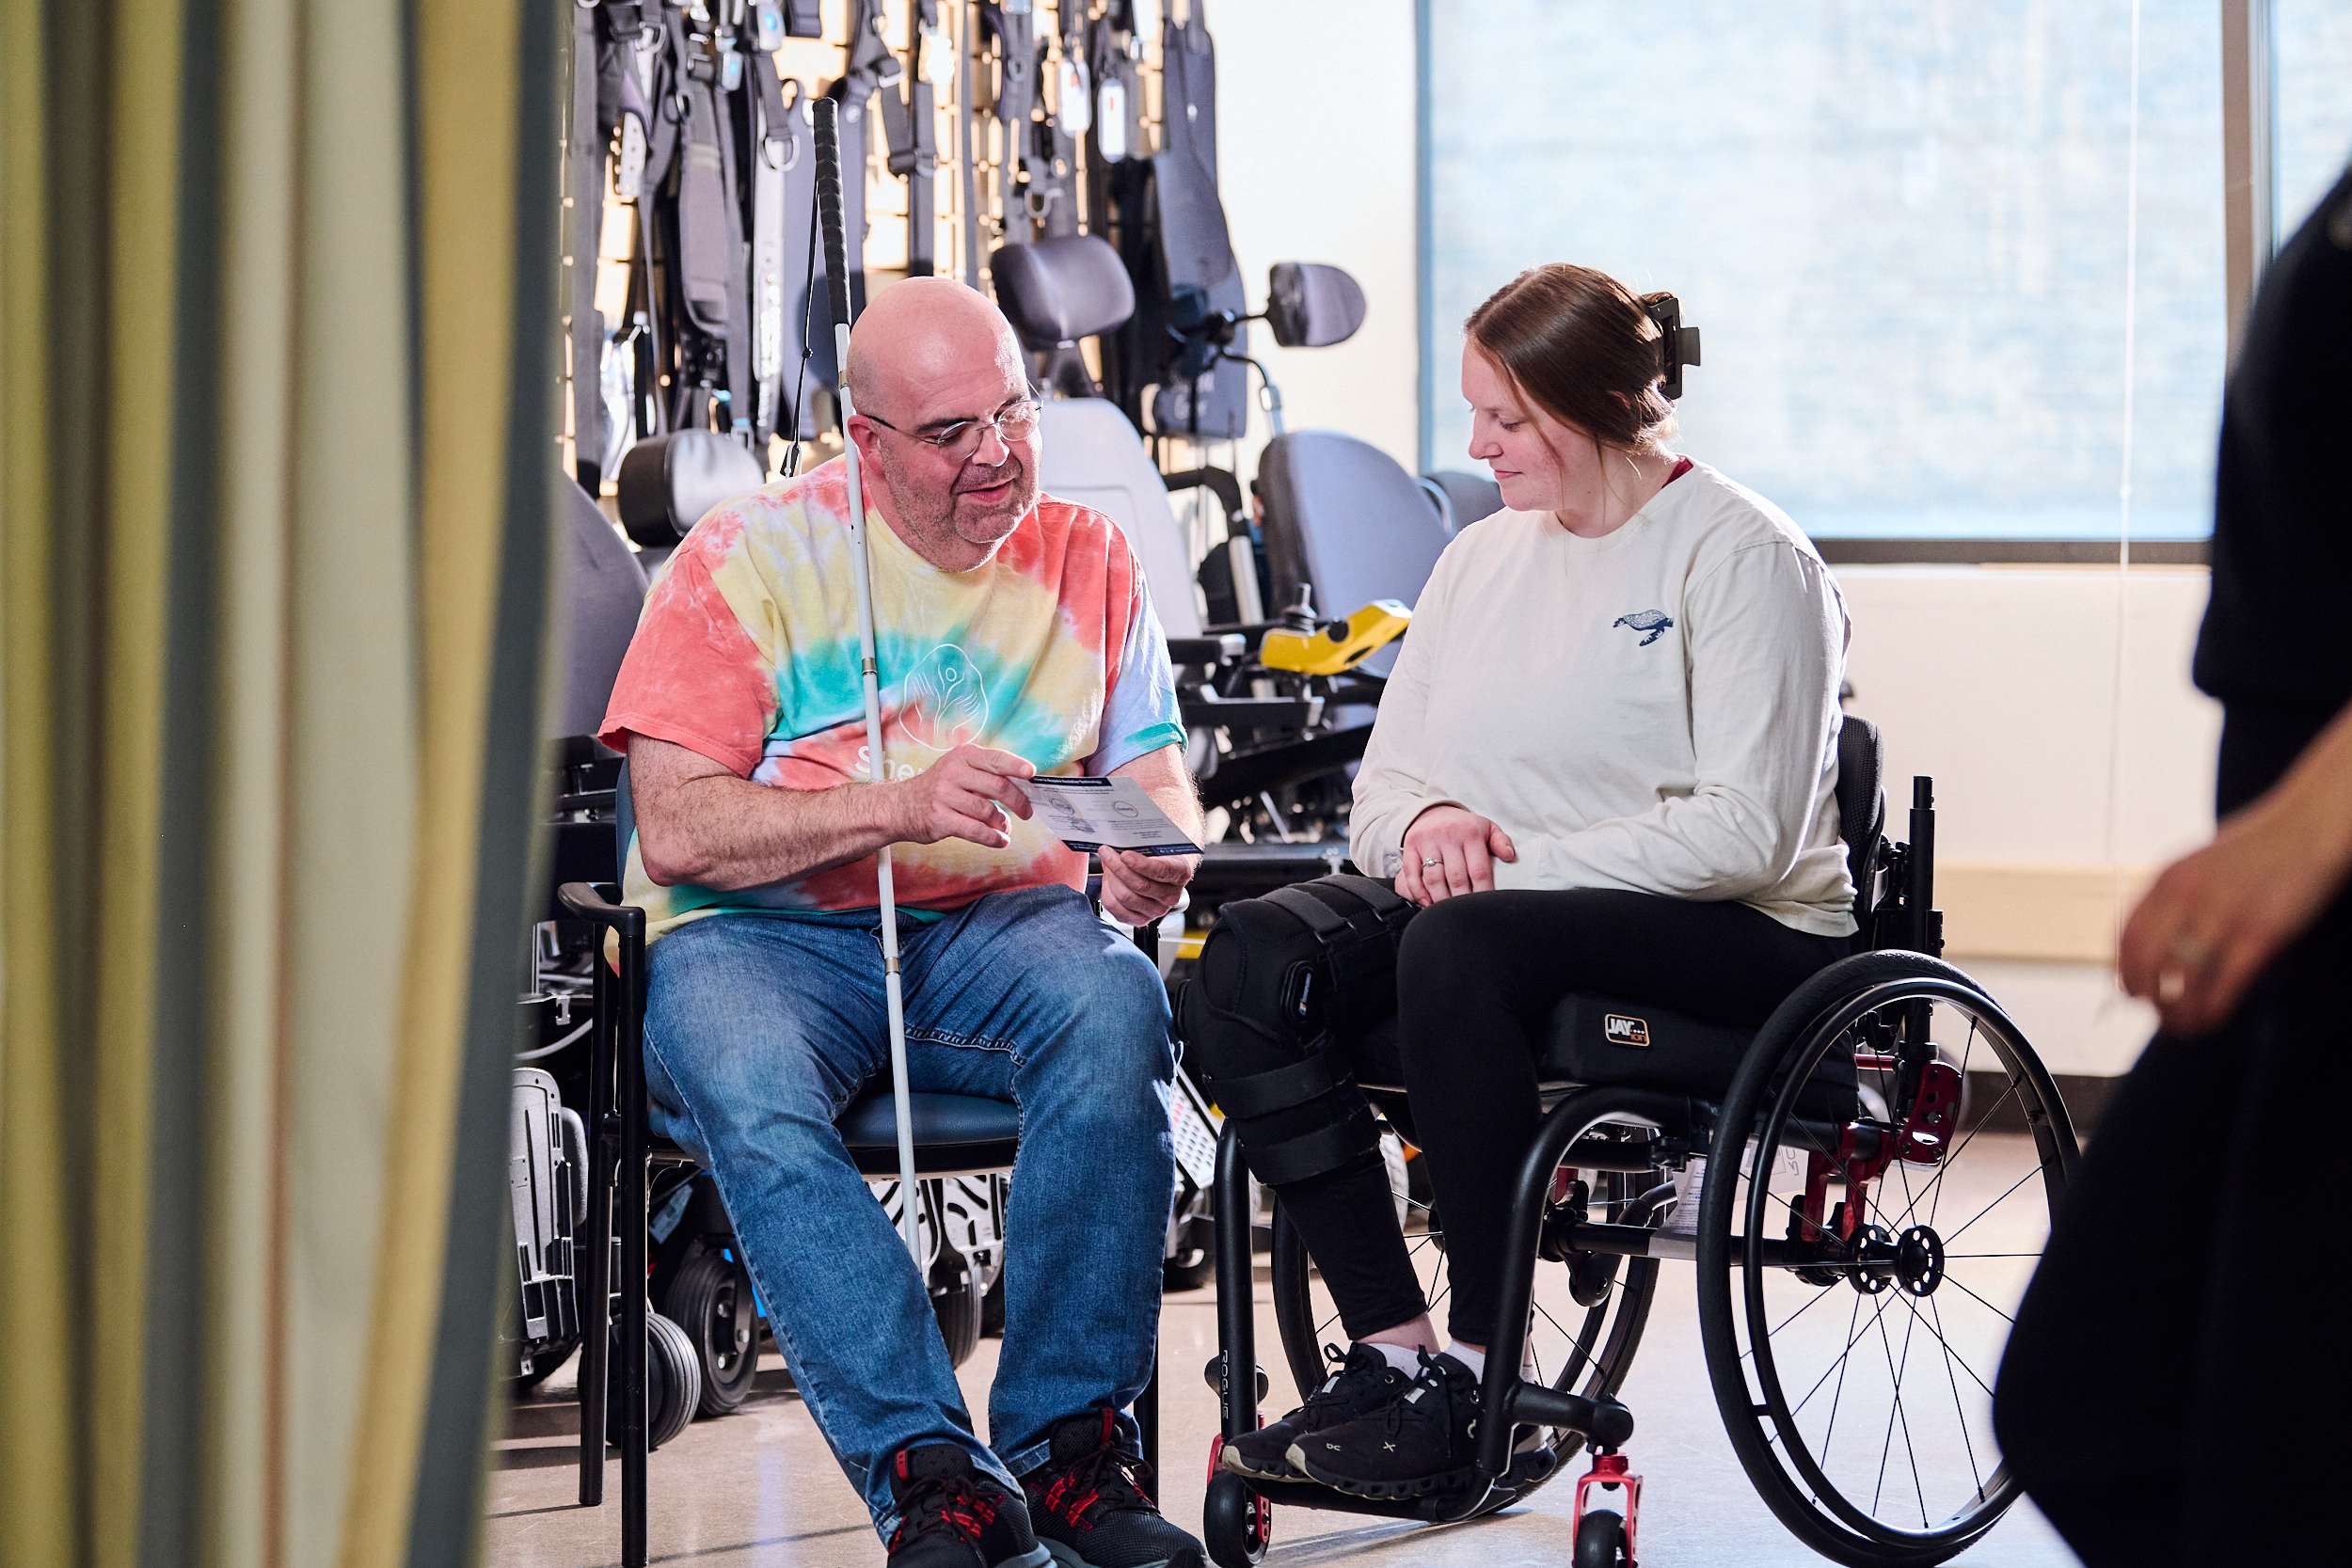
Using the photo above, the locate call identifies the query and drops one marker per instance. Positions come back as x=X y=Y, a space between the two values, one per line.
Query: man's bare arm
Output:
x=698 y=822
x=1139 y=889
x=1168 y=782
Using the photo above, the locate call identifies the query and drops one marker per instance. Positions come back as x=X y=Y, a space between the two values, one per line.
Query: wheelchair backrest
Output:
x=1093 y=456
x=603 y=586
x=1344 y=518
x=1861 y=807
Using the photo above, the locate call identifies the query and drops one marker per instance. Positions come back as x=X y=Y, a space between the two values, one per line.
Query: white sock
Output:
x=1405 y=1359
x=1474 y=1359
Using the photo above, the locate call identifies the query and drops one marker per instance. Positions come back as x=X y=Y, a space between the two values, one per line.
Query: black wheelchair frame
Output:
x=954 y=1134
x=1880 y=1001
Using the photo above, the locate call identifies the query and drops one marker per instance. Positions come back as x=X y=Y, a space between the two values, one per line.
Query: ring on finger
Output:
x=2188 y=953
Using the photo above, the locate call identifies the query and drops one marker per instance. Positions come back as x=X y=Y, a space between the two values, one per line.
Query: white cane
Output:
x=837 y=286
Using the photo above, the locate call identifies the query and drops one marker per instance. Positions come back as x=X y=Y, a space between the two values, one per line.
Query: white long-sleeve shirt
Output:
x=1653 y=710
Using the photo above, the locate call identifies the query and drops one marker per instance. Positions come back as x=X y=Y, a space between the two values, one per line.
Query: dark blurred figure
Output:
x=2179 y=1383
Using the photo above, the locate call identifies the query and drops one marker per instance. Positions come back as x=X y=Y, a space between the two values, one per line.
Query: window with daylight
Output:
x=1959 y=263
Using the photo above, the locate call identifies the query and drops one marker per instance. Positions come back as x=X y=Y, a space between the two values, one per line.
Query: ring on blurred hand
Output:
x=2190 y=953
x=2171 y=985
x=1428 y=861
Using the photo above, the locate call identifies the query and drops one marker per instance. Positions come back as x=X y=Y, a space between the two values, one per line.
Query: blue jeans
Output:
x=760 y=1029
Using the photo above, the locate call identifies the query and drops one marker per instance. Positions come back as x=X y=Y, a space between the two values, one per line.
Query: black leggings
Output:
x=1477 y=978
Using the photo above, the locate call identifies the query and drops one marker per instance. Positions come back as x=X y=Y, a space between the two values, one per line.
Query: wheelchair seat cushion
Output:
x=1597 y=1040
x=952 y=1132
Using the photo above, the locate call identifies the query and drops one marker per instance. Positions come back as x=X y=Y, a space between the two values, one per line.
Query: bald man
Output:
x=1015 y=637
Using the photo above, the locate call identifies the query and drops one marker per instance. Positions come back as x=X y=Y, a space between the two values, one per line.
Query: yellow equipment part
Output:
x=1337 y=646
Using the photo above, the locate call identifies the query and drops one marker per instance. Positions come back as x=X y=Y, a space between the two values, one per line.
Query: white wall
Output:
x=2000 y=682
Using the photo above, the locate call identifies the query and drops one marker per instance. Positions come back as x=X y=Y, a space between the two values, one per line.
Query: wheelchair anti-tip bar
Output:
x=829 y=214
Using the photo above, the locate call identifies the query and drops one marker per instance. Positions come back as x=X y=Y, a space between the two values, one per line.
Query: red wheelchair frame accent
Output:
x=1864 y=1152
x=1609 y=1471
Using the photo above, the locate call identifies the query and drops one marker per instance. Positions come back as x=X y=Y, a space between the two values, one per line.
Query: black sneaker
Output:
x=1425 y=1441
x=953 y=1515
x=1090 y=1505
x=1361 y=1382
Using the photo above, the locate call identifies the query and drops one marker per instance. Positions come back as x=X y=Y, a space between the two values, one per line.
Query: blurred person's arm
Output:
x=2215 y=919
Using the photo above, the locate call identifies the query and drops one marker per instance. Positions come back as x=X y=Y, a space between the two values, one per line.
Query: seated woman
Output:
x=1606 y=761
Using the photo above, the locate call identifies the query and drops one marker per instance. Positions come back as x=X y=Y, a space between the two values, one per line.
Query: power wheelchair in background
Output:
x=1835 y=1157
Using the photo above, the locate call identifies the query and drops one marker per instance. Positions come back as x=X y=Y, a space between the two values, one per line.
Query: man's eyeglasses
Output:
x=1015 y=422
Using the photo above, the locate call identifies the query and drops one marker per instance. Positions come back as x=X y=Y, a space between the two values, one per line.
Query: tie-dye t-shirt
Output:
x=747 y=652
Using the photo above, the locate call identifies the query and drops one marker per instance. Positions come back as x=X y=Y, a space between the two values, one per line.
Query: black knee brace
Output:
x=1280 y=979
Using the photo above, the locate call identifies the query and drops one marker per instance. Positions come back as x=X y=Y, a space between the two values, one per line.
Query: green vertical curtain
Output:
x=277 y=443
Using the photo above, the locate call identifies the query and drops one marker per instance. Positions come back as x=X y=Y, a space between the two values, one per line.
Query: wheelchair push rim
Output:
x=1928 y=1266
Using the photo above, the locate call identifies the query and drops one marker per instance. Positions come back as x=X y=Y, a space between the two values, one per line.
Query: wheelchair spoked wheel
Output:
x=1858 y=1275
x=1582 y=1337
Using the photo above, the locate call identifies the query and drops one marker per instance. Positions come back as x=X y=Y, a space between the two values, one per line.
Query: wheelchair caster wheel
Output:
x=1590 y=1275
x=674 y=1378
x=710 y=1297
x=1601 y=1541
x=1235 y=1523
x=957 y=1306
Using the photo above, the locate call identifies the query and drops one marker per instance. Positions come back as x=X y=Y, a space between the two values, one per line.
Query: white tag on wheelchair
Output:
x=1787 y=1174
x=1106 y=814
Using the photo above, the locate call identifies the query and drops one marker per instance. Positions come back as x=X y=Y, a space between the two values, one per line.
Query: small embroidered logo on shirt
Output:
x=1655 y=622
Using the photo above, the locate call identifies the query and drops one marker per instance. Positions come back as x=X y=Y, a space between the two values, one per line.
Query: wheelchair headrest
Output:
x=1468 y=497
x=668 y=482
x=1057 y=291
x=1312 y=305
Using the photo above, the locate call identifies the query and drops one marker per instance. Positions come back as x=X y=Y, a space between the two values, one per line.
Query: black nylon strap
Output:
x=1059 y=173
x=1280 y=1088
x=1014 y=26
x=869 y=68
x=1317 y=1153
x=909 y=124
x=1328 y=924
x=1377 y=897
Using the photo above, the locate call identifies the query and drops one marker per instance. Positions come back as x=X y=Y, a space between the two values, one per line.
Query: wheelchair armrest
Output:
x=1214 y=652
x=1217 y=482
x=1251 y=632
x=1206 y=707
x=586 y=901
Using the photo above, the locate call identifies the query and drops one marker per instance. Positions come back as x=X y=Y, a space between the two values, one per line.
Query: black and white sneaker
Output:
x=954 y=1516
x=1362 y=1381
x=1425 y=1440
x=1091 y=1505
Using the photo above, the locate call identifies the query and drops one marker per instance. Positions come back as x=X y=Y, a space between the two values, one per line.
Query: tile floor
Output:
x=761 y=1487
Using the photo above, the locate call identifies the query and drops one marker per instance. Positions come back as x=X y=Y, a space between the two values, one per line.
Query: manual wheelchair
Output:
x=1832 y=1156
